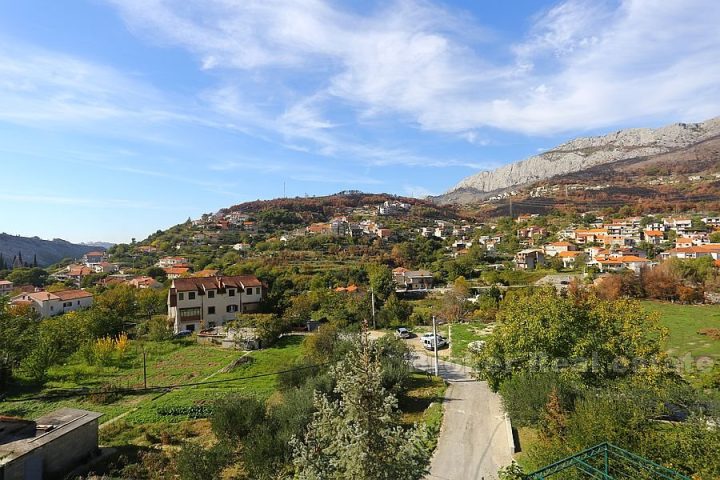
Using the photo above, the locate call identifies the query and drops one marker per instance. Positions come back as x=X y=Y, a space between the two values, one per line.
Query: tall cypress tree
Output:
x=35 y=264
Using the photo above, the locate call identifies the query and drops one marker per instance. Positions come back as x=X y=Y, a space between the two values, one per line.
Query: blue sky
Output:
x=120 y=117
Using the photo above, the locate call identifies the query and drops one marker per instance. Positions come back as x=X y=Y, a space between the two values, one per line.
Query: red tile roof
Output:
x=72 y=294
x=215 y=283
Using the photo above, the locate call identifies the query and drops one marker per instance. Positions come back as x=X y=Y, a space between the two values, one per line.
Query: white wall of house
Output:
x=195 y=311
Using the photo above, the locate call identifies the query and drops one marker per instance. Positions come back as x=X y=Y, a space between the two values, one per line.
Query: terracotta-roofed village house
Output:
x=569 y=258
x=384 y=232
x=683 y=242
x=94 y=258
x=144 y=282
x=319 y=229
x=48 y=304
x=654 y=237
x=412 y=279
x=105 y=267
x=696 y=251
x=629 y=262
x=167 y=262
x=6 y=287
x=529 y=259
x=176 y=272
x=554 y=248
x=591 y=235
x=76 y=273
x=195 y=303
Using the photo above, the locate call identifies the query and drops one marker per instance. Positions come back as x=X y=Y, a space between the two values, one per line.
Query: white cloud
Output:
x=43 y=87
x=583 y=64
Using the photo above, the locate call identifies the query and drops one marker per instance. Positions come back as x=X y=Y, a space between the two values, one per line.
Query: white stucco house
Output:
x=49 y=304
x=197 y=303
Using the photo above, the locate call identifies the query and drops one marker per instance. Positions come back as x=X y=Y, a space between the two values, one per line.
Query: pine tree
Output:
x=359 y=434
x=35 y=264
x=3 y=265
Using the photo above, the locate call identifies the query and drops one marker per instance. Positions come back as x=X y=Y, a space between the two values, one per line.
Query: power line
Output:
x=130 y=391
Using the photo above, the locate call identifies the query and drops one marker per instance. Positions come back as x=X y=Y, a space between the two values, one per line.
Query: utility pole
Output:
x=435 y=346
x=372 y=299
x=144 y=368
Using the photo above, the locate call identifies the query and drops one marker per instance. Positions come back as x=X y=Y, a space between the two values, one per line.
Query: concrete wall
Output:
x=53 y=459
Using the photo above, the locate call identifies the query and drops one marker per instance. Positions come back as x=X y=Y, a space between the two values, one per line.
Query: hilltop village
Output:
x=243 y=309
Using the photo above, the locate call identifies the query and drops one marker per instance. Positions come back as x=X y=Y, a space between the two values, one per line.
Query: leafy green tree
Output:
x=151 y=301
x=118 y=302
x=511 y=472
x=157 y=273
x=381 y=281
x=159 y=329
x=194 y=462
x=18 y=333
x=584 y=338
x=358 y=435
x=524 y=396
x=269 y=327
x=234 y=417
x=395 y=312
x=28 y=276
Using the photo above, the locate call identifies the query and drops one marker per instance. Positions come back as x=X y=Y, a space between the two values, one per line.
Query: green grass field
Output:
x=168 y=363
x=683 y=323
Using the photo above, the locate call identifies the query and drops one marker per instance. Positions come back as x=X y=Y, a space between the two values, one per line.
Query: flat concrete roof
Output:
x=16 y=442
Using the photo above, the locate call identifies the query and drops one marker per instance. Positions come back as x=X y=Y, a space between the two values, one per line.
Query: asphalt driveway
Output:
x=475 y=440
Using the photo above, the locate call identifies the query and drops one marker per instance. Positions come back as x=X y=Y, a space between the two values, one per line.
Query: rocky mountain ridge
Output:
x=581 y=154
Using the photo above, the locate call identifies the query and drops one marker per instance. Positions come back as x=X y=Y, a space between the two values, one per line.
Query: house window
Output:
x=78 y=302
x=211 y=310
x=231 y=292
x=191 y=296
x=52 y=308
x=181 y=296
x=190 y=312
x=211 y=293
x=249 y=290
x=232 y=308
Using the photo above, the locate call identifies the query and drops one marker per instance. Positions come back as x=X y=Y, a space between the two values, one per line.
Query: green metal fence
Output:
x=607 y=462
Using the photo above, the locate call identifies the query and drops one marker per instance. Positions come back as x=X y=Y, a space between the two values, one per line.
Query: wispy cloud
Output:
x=583 y=64
x=81 y=201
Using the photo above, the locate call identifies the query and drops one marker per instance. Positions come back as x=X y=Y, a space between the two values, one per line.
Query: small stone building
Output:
x=48 y=447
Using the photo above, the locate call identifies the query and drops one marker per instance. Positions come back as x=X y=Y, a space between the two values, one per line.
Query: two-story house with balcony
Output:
x=196 y=303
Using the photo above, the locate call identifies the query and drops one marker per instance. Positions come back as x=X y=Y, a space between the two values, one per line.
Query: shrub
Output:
x=525 y=396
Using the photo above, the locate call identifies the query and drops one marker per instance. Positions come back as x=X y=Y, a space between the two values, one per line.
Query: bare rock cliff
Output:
x=584 y=153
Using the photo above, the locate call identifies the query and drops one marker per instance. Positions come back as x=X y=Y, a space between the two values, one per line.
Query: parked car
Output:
x=182 y=334
x=403 y=332
x=428 y=341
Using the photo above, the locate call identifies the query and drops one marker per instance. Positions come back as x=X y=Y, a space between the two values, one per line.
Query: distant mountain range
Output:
x=103 y=245
x=46 y=252
x=589 y=153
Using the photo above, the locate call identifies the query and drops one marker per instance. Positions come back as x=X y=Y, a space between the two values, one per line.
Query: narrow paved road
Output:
x=474 y=441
